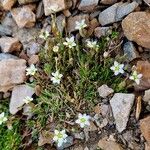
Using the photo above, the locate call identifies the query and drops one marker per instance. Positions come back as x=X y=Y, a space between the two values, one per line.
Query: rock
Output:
x=61 y=21
x=145 y=128
x=147 y=146
x=88 y=5
x=104 y=91
x=104 y=110
x=143 y=67
x=40 y=10
x=102 y=31
x=91 y=128
x=71 y=22
x=51 y=6
x=67 y=144
x=130 y=51
x=136 y=28
x=147 y=2
x=79 y=136
x=146 y=97
x=116 y=12
x=22 y=2
x=108 y=2
x=7 y=4
x=26 y=37
x=34 y=59
x=23 y=16
x=18 y=94
x=12 y=72
x=109 y=145
x=27 y=110
x=9 y=44
x=121 y=105
x=5 y=30
x=4 y=56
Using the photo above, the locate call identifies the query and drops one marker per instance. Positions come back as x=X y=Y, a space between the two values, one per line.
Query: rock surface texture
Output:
x=121 y=105
x=136 y=27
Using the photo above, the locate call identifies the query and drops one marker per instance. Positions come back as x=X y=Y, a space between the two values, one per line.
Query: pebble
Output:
x=102 y=31
x=5 y=30
x=121 y=105
x=146 y=97
x=7 y=4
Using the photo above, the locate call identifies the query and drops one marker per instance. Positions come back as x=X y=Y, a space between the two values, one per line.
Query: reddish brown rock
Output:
x=23 y=16
x=108 y=2
x=7 y=4
x=34 y=59
x=145 y=128
x=51 y=6
x=136 y=28
x=9 y=44
x=12 y=72
x=71 y=21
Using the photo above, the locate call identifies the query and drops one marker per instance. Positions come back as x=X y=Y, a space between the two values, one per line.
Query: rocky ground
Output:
x=119 y=108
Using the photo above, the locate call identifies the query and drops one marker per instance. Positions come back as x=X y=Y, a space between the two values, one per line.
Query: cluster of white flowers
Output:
x=2 y=118
x=92 y=44
x=60 y=136
x=118 y=68
x=44 y=35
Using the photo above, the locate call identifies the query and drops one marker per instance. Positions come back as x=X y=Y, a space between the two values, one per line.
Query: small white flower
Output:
x=56 y=77
x=28 y=99
x=136 y=77
x=117 y=68
x=31 y=70
x=60 y=137
x=2 y=118
x=53 y=8
x=70 y=42
x=105 y=54
x=55 y=49
x=92 y=44
x=83 y=120
x=80 y=25
x=44 y=35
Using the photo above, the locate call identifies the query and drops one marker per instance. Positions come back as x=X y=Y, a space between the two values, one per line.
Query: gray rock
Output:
x=5 y=30
x=116 y=12
x=18 y=94
x=102 y=31
x=4 y=56
x=104 y=91
x=40 y=10
x=60 y=21
x=88 y=5
x=121 y=105
x=33 y=48
x=67 y=144
x=79 y=136
x=146 y=97
x=26 y=1
x=130 y=51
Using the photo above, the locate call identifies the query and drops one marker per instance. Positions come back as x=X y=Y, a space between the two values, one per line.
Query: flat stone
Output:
x=136 y=27
x=130 y=51
x=51 y=6
x=60 y=21
x=5 y=56
x=33 y=48
x=34 y=59
x=109 y=145
x=18 y=94
x=9 y=44
x=146 y=97
x=21 y=2
x=7 y=4
x=121 y=105
x=40 y=10
x=88 y=5
x=104 y=91
x=71 y=22
x=23 y=16
x=145 y=128
x=116 y=12
x=12 y=72
x=108 y=2
x=5 y=30
x=102 y=31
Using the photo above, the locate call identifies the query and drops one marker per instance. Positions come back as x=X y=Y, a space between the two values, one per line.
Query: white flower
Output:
x=2 y=118
x=136 y=77
x=92 y=44
x=31 y=70
x=70 y=42
x=55 y=49
x=56 y=77
x=60 y=137
x=53 y=8
x=117 y=68
x=80 y=25
x=27 y=99
x=44 y=35
x=83 y=120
